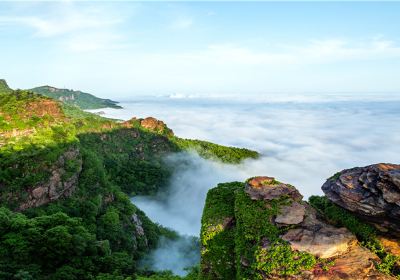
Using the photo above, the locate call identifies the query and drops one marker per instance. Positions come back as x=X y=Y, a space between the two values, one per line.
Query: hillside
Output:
x=4 y=86
x=262 y=229
x=65 y=180
x=81 y=99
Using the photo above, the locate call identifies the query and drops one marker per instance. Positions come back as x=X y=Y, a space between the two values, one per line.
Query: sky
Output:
x=124 y=49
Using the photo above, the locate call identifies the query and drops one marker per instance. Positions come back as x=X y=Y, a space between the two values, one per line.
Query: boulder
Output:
x=267 y=188
x=371 y=192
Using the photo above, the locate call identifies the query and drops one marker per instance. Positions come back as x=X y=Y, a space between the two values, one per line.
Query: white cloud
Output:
x=303 y=142
x=77 y=27
x=72 y=21
x=316 y=51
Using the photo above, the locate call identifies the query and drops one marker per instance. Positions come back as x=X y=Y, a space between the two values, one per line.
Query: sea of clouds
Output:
x=303 y=140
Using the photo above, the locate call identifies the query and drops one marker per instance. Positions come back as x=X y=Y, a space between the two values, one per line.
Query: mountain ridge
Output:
x=76 y=97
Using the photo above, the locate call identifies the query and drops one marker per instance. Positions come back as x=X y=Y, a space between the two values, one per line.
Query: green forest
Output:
x=65 y=180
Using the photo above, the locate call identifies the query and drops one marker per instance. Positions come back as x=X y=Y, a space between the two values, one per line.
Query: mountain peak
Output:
x=4 y=86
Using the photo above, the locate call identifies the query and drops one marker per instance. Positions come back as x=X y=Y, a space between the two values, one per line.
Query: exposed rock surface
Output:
x=318 y=238
x=356 y=264
x=292 y=214
x=57 y=185
x=337 y=252
x=371 y=192
x=268 y=188
x=151 y=124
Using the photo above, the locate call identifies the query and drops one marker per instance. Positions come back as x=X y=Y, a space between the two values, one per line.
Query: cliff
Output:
x=262 y=229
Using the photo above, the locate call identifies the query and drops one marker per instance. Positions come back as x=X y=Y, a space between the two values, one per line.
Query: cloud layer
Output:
x=302 y=143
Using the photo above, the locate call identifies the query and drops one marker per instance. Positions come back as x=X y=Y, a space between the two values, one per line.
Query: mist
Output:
x=302 y=142
x=174 y=255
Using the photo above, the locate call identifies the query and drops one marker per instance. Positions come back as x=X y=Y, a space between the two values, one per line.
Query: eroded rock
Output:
x=371 y=192
x=267 y=188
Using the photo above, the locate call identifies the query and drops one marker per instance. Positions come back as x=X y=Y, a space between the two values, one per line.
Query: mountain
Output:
x=4 y=86
x=81 y=99
x=262 y=229
x=65 y=180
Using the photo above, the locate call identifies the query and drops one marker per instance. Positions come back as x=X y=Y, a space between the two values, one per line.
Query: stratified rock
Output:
x=356 y=264
x=267 y=188
x=371 y=192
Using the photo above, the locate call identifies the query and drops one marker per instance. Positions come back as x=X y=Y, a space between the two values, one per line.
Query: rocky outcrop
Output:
x=151 y=124
x=371 y=192
x=267 y=218
x=62 y=182
x=316 y=237
x=267 y=188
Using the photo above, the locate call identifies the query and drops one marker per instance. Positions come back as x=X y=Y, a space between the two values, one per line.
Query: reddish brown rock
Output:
x=391 y=245
x=267 y=188
x=371 y=192
x=155 y=125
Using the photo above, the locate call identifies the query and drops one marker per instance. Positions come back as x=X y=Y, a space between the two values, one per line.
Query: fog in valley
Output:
x=302 y=141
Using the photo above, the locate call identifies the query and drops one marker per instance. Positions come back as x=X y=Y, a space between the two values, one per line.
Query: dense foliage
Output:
x=78 y=98
x=214 y=151
x=4 y=86
x=234 y=229
x=254 y=227
x=365 y=233
x=217 y=235
x=88 y=165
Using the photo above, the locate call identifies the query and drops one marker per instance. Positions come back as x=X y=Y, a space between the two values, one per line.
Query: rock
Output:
x=291 y=215
x=155 y=125
x=138 y=224
x=267 y=188
x=357 y=264
x=56 y=186
x=318 y=238
x=371 y=192
x=140 y=233
x=391 y=245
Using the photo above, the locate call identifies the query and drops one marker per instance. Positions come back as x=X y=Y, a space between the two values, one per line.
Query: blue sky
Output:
x=125 y=48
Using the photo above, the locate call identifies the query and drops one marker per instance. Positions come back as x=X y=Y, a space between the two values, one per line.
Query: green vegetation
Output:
x=239 y=240
x=217 y=235
x=193 y=274
x=365 y=233
x=213 y=151
x=88 y=165
x=80 y=99
x=4 y=87
x=254 y=231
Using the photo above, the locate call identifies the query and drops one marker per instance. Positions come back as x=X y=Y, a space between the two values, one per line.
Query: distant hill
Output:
x=81 y=99
x=4 y=86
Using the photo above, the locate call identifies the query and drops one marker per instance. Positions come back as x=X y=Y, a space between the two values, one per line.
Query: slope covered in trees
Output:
x=78 y=98
x=65 y=177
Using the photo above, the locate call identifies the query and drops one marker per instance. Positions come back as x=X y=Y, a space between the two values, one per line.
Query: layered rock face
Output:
x=371 y=192
x=262 y=229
